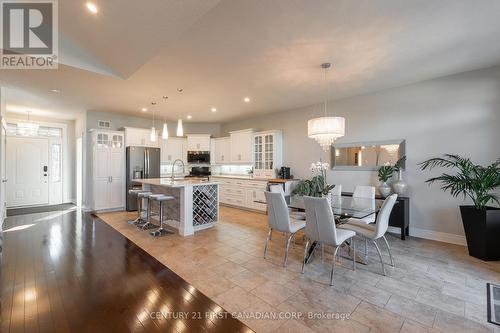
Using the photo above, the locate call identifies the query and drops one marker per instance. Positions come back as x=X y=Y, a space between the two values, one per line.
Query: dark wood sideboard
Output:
x=400 y=215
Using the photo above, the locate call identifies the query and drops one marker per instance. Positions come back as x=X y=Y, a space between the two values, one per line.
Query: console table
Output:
x=400 y=215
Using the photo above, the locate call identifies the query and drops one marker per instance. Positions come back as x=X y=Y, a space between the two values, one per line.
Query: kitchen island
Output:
x=196 y=203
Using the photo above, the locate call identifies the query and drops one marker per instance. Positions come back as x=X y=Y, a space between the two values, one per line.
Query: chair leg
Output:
x=380 y=256
x=389 y=249
x=322 y=251
x=305 y=255
x=333 y=266
x=287 y=247
x=267 y=241
x=366 y=249
x=353 y=254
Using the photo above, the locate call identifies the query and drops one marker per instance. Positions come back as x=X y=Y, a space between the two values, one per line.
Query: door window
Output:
x=56 y=162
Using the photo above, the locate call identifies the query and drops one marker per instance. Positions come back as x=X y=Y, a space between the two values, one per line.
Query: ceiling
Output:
x=218 y=52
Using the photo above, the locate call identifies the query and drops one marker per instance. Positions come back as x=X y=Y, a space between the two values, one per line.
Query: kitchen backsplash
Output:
x=231 y=169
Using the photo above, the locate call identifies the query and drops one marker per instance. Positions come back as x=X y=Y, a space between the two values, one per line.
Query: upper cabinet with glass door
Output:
x=268 y=153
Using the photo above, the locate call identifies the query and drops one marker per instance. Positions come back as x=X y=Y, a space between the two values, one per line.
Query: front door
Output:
x=27 y=171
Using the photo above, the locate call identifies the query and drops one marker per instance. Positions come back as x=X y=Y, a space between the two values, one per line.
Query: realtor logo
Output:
x=28 y=36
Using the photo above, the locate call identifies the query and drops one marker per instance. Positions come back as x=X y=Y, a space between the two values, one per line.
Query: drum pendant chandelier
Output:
x=325 y=130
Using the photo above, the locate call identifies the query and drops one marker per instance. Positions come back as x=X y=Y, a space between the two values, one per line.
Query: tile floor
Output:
x=435 y=287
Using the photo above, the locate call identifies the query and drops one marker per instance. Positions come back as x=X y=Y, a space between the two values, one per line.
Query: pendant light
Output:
x=153 y=129
x=180 y=130
x=27 y=128
x=164 y=132
x=325 y=130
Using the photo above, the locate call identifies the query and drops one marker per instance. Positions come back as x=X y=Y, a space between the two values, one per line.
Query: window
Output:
x=21 y=129
x=55 y=159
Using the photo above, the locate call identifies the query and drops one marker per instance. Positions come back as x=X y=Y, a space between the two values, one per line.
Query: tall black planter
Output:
x=482 y=230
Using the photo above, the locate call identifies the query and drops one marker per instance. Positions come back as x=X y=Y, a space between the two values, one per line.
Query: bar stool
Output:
x=161 y=199
x=147 y=224
x=136 y=192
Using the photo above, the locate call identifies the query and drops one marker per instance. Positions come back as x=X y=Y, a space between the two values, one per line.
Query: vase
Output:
x=400 y=187
x=384 y=189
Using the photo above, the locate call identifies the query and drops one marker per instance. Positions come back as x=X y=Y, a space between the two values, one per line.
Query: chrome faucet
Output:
x=173 y=168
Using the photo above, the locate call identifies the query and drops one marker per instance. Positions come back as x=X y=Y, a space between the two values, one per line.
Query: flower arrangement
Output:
x=316 y=186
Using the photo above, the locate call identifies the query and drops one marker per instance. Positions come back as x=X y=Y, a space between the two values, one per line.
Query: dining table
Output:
x=343 y=208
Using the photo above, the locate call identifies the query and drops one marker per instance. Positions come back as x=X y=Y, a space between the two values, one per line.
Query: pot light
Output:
x=180 y=130
x=144 y=109
x=189 y=117
x=92 y=7
x=246 y=99
x=55 y=91
x=214 y=110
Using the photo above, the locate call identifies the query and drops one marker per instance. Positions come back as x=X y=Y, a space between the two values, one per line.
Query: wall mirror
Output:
x=366 y=155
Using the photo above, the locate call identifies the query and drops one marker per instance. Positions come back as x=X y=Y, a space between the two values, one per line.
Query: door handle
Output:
x=145 y=165
x=4 y=180
x=110 y=179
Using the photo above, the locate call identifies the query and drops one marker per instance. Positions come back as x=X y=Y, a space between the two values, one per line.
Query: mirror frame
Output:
x=400 y=142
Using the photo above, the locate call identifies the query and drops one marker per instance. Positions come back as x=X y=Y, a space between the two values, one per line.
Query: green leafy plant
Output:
x=385 y=173
x=317 y=185
x=474 y=181
x=399 y=164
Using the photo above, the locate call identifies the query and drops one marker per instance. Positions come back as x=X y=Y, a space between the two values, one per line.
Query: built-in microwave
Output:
x=199 y=157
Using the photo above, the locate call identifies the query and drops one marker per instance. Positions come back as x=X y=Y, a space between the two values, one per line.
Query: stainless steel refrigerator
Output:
x=142 y=162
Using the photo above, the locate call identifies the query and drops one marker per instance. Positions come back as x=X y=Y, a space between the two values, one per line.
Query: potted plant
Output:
x=481 y=222
x=385 y=173
x=317 y=185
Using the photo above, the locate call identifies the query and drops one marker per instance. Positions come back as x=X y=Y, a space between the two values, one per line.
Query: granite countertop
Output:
x=239 y=177
x=168 y=182
x=274 y=180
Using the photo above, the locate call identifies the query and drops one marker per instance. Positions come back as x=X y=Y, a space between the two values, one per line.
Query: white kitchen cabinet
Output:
x=222 y=150
x=140 y=137
x=241 y=147
x=243 y=193
x=268 y=153
x=198 y=142
x=108 y=170
x=173 y=149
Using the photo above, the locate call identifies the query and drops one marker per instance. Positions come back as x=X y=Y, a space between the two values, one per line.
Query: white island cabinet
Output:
x=195 y=205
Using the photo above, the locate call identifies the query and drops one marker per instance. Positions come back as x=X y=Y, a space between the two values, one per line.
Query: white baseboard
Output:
x=433 y=235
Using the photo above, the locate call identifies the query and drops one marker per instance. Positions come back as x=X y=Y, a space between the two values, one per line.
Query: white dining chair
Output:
x=278 y=219
x=293 y=215
x=320 y=228
x=373 y=232
x=365 y=192
x=337 y=190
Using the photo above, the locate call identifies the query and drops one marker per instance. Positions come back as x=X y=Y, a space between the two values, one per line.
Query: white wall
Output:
x=119 y=120
x=456 y=114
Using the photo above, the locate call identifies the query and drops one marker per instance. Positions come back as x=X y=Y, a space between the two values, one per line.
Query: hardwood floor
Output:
x=62 y=271
x=435 y=287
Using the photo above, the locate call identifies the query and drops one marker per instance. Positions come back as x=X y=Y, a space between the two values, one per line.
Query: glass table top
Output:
x=342 y=206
